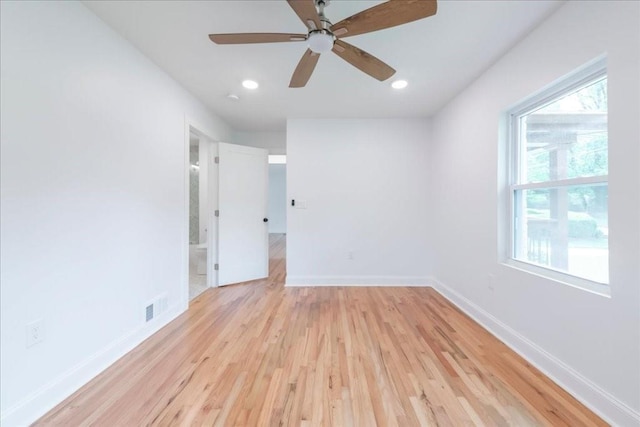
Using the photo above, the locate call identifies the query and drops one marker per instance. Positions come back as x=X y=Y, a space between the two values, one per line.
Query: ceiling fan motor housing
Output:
x=320 y=41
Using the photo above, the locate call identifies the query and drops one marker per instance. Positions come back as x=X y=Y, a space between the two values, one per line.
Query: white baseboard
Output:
x=47 y=397
x=418 y=281
x=607 y=406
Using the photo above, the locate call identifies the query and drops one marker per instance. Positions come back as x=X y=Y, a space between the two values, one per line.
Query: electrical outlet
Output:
x=35 y=332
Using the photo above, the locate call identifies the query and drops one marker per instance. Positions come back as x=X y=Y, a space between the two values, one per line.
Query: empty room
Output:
x=320 y=212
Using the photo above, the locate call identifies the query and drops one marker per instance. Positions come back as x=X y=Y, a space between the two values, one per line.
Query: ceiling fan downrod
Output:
x=320 y=5
x=321 y=40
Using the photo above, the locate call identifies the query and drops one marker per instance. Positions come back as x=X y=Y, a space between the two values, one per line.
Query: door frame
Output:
x=191 y=126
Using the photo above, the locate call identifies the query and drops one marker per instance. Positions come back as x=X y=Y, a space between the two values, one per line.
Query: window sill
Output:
x=600 y=289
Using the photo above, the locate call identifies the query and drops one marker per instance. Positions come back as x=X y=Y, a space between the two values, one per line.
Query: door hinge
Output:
x=217 y=159
x=217 y=212
x=216 y=267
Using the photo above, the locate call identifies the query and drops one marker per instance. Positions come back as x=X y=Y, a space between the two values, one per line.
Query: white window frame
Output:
x=577 y=80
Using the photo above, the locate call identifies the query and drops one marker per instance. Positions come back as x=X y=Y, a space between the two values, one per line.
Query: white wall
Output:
x=277 y=198
x=589 y=343
x=275 y=141
x=363 y=182
x=93 y=218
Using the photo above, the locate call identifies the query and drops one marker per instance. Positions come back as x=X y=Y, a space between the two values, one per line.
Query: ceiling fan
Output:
x=323 y=36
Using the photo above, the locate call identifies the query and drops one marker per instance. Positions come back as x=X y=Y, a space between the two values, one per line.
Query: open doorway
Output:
x=233 y=213
x=201 y=204
x=277 y=217
x=198 y=208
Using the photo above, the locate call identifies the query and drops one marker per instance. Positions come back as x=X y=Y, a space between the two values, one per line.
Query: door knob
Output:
x=265 y=219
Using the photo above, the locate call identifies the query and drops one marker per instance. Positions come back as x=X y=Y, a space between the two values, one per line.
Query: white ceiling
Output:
x=439 y=56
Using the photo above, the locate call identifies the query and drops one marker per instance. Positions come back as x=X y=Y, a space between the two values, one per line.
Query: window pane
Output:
x=566 y=138
x=564 y=228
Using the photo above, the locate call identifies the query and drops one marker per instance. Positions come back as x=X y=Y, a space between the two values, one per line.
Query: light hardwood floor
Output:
x=259 y=354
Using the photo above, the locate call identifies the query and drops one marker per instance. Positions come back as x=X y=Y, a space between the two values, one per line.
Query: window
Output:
x=559 y=185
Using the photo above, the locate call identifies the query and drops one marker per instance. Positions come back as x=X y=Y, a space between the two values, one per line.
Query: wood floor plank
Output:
x=262 y=354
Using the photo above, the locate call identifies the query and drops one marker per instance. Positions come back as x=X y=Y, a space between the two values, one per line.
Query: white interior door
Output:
x=243 y=236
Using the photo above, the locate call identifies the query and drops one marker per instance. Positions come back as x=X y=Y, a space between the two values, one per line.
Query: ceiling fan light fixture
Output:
x=320 y=42
x=250 y=84
x=399 y=84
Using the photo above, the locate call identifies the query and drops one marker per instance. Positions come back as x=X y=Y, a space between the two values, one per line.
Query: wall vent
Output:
x=156 y=306
x=149 y=312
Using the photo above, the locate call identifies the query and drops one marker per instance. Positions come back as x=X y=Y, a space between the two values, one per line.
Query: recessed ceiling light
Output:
x=399 y=84
x=250 y=84
x=233 y=97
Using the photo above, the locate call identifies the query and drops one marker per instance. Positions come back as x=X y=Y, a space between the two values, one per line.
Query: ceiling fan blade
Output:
x=304 y=69
x=385 y=15
x=307 y=12
x=363 y=61
x=242 y=38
